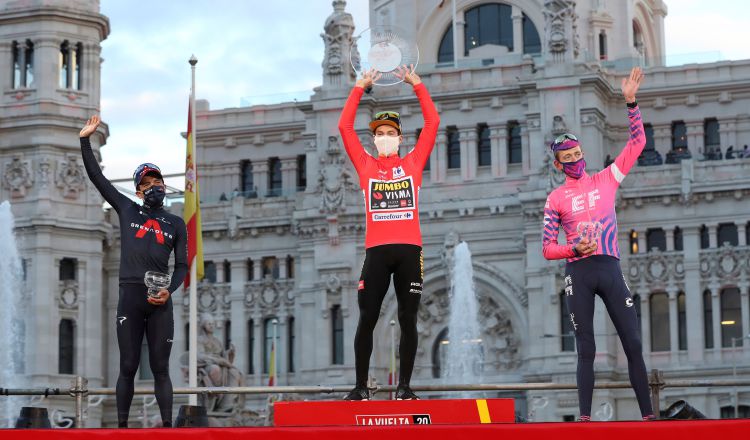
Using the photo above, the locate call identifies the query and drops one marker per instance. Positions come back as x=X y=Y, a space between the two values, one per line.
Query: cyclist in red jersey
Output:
x=393 y=241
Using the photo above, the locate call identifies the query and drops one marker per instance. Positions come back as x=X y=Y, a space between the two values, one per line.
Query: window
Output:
x=659 y=322
x=246 y=180
x=705 y=242
x=454 y=148
x=227 y=333
x=187 y=337
x=269 y=327
x=637 y=305
x=514 y=142
x=531 y=42
x=727 y=412
x=337 y=325
x=679 y=136
x=484 y=149
x=290 y=347
x=731 y=317
x=445 y=51
x=727 y=233
x=66 y=346
x=70 y=62
x=708 y=319
x=227 y=271
x=301 y=172
x=23 y=64
x=711 y=136
x=488 y=24
x=250 y=347
x=681 y=322
x=250 y=268
x=209 y=271
x=68 y=269
x=633 y=242
x=602 y=45
x=274 y=177
x=656 y=239
x=270 y=267
x=289 y=266
x=648 y=130
x=567 y=337
x=678 y=239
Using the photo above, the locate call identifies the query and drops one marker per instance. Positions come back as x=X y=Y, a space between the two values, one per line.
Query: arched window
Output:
x=70 y=62
x=708 y=319
x=659 y=307
x=66 y=347
x=291 y=344
x=270 y=325
x=488 y=24
x=515 y=153
x=23 y=64
x=567 y=337
x=603 y=45
x=454 y=148
x=438 y=353
x=681 y=322
x=731 y=317
x=656 y=238
x=337 y=336
x=727 y=233
x=532 y=44
x=484 y=150
x=445 y=52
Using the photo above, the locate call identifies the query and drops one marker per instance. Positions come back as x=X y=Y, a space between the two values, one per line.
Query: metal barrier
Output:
x=79 y=389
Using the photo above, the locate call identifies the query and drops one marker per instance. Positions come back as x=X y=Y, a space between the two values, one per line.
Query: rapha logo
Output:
x=398 y=172
x=122 y=319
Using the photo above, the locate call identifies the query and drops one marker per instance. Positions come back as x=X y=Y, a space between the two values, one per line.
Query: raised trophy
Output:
x=384 y=49
x=156 y=281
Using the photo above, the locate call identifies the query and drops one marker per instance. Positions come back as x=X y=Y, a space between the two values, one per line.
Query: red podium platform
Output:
x=394 y=412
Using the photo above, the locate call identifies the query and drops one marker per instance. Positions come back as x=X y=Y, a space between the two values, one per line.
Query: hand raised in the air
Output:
x=368 y=77
x=631 y=84
x=408 y=75
x=91 y=125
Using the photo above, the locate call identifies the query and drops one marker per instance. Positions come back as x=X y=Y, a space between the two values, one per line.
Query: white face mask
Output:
x=387 y=145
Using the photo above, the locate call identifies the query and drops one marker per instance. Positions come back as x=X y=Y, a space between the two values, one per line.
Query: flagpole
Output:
x=193 y=318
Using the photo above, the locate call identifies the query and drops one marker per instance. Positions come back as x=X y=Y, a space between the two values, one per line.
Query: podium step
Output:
x=394 y=412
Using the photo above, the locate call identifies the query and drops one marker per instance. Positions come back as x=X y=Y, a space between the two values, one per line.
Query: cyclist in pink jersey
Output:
x=585 y=208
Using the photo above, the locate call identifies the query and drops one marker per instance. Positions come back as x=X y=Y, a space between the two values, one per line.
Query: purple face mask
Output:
x=574 y=170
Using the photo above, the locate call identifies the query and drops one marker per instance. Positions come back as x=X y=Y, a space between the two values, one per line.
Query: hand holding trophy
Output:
x=387 y=55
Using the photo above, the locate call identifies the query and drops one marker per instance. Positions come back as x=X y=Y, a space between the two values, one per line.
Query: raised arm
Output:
x=105 y=187
x=637 y=141
x=353 y=147
x=180 y=258
x=426 y=141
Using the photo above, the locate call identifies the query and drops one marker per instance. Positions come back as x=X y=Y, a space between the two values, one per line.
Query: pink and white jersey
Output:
x=586 y=207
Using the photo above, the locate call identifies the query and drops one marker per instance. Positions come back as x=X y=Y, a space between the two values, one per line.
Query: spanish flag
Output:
x=272 y=366
x=192 y=211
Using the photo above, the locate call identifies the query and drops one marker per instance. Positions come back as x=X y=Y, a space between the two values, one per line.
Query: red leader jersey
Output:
x=390 y=185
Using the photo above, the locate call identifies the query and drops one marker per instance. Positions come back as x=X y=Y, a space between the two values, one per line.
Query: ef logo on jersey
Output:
x=577 y=202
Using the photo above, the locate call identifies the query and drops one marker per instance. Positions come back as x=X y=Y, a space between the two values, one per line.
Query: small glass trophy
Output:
x=385 y=48
x=156 y=281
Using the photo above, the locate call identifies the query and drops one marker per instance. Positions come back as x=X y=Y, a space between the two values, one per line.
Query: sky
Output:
x=255 y=51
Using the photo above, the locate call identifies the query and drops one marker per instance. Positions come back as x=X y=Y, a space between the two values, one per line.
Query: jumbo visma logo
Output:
x=391 y=195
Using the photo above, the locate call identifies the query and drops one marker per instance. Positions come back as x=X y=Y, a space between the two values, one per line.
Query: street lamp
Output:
x=734 y=372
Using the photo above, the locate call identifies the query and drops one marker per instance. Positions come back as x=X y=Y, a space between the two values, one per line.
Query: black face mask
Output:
x=154 y=197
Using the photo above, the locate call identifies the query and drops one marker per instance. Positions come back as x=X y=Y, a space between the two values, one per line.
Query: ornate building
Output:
x=283 y=217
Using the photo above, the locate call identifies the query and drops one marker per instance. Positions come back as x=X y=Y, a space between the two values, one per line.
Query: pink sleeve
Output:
x=629 y=155
x=551 y=249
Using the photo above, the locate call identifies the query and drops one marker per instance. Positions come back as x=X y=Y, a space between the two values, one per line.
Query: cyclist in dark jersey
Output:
x=148 y=235
x=393 y=241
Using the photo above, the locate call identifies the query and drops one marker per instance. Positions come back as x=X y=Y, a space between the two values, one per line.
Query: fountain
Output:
x=11 y=346
x=463 y=351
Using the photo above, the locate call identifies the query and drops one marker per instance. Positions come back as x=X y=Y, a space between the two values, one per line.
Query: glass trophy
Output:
x=156 y=281
x=384 y=49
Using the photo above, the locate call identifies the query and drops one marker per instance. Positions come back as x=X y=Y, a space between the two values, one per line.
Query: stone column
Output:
x=289 y=176
x=744 y=286
x=499 y=150
x=439 y=165
x=670 y=239
x=281 y=351
x=695 y=136
x=260 y=177
x=673 y=322
x=517 y=16
x=6 y=64
x=46 y=67
x=716 y=314
x=282 y=267
x=237 y=313
x=712 y=237
x=693 y=294
x=525 y=149
x=727 y=133
x=663 y=139
x=468 y=139
x=259 y=342
x=741 y=233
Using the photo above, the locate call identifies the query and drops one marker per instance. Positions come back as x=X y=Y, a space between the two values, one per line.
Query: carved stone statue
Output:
x=339 y=27
x=561 y=28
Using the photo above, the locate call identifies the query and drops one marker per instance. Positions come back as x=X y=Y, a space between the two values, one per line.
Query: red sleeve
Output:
x=426 y=142
x=551 y=249
x=357 y=154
